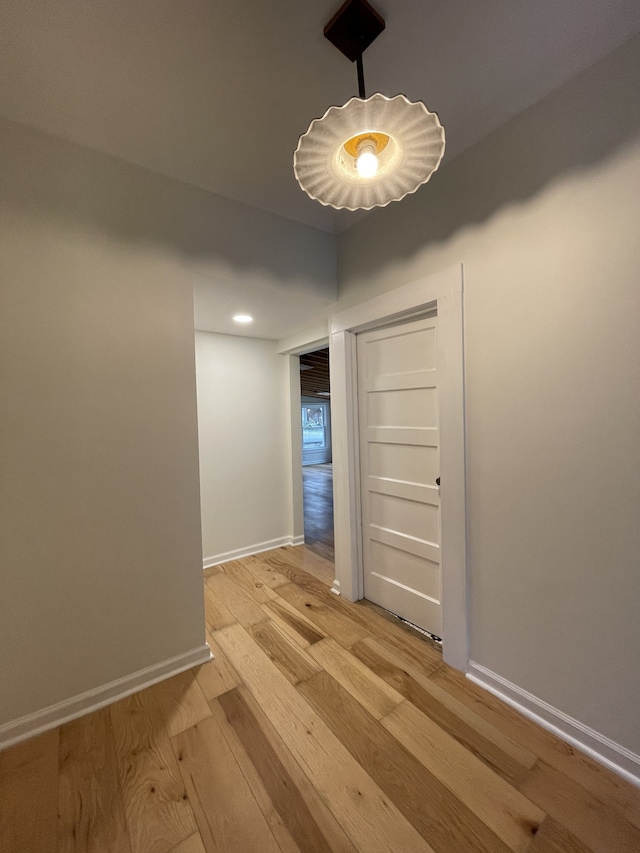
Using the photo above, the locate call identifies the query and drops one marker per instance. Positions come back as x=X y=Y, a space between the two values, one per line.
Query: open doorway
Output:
x=317 y=467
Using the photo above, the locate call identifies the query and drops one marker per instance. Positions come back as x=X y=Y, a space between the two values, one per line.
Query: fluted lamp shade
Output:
x=369 y=152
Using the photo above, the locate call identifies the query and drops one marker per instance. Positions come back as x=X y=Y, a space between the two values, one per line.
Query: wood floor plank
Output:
x=501 y=753
x=569 y=760
x=193 y=844
x=357 y=679
x=286 y=627
x=403 y=640
x=217 y=675
x=362 y=613
x=287 y=799
x=416 y=652
x=294 y=562
x=256 y=783
x=555 y=838
x=212 y=570
x=299 y=628
x=28 y=776
x=256 y=589
x=91 y=816
x=180 y=702
x=292 y=662
x=262 y=742
x=603 y=829
x=216 y=614
x=447 y=824
x=317 y=502
x=157 y=808
x=392 y=631
x=235 y=600
x=311 y=563
x=373 y=823
x=512 y=817
x=323 y=615
x=228 y=815
x=281 y=833
x=287 y=562
x=264 y=571
x=322 y=549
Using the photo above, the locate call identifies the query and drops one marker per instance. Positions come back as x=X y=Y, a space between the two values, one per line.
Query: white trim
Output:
x=306 y=340
x=346 y=464
x=96 y=698
x=442 y=291
x=296 y=487
x=614 y=756
x=291 y=348
x=402 y=302
x=249 y=550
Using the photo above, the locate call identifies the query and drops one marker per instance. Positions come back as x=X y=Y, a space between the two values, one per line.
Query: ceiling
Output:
x=314 y=374
x=276 y=312
x=216 y=92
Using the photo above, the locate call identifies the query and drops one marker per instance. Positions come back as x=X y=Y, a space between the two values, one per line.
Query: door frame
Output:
x=292 y=348
x=442 y=291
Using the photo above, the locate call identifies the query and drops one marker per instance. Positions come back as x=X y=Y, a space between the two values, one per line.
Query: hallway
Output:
x=319 y=727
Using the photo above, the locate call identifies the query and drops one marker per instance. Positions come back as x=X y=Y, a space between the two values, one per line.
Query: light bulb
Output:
x=367 y=162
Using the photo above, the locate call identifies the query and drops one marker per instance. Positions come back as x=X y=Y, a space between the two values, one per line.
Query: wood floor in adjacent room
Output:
x=317 y=488
x=320 y=726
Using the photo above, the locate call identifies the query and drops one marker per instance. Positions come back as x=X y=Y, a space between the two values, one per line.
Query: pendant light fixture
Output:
x=371 y=151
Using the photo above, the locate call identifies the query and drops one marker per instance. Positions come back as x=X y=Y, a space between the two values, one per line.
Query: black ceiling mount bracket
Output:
x=353 y=28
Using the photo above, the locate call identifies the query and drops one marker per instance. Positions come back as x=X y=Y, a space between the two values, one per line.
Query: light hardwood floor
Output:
x=320 y=726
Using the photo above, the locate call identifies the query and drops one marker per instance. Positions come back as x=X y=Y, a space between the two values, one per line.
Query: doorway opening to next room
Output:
x=317 y=470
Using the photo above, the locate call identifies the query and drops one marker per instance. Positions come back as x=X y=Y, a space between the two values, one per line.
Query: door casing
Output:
x=442 y=291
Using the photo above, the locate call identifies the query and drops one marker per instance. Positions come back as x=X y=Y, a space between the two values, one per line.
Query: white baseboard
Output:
x=96 y=698
x=249 y=550
x=618 y=758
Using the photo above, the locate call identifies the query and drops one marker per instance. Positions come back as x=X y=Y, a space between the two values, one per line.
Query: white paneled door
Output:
x=398 y=425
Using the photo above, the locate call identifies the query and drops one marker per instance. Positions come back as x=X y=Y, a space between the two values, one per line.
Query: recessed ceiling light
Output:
x=243 y=318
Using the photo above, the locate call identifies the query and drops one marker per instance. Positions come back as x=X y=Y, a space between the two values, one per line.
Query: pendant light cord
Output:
x=361 y=91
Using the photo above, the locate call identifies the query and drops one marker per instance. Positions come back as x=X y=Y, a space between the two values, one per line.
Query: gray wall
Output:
x=245 y=457
x=100 y=513
x=101 y=555
x=544 y=216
